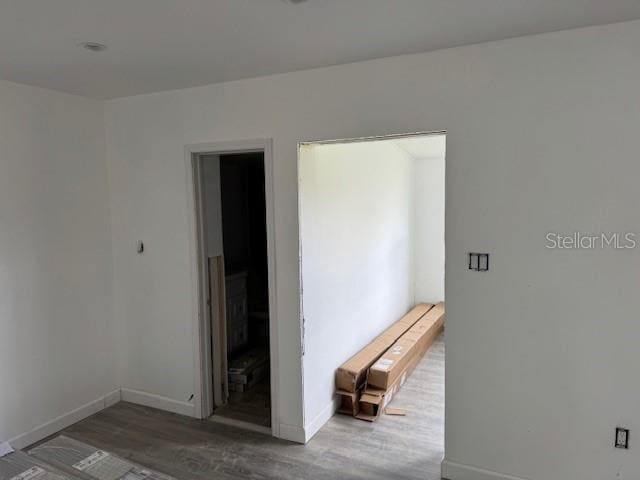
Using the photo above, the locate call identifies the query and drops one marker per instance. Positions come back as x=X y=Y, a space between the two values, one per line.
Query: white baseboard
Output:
x=112 y=398
x=240 y=424
x=318 y=422
x=63 y=421
x=458 y=471
x=293 y=433
x=297 y=434
x=157 y=401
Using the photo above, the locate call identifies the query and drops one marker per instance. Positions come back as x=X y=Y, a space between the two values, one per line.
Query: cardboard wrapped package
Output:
x=351 y=375
x=373 y=401
x=414 y=342
x=388 y=374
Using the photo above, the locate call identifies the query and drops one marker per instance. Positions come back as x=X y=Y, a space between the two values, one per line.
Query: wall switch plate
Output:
x=622 y=438
x=479 y=262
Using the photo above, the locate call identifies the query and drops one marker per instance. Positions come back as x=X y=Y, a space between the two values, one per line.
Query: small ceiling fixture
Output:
x=294 y=2
x=93 y=46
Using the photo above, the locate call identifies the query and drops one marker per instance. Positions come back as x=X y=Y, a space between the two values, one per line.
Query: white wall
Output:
x=542 y=136
x=428 y=228
x=357 y=252
x=56 y=337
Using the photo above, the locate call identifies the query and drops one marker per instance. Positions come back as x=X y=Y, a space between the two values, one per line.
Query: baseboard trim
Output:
x=293 y=433
x=297 y=434
x=318 y=422
x=63 y=421
x=157 y=401
x=112 y=398
x=458 y=471
x=240 y=424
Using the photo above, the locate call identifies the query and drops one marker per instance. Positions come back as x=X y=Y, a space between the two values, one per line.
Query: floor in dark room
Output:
x=251 y=406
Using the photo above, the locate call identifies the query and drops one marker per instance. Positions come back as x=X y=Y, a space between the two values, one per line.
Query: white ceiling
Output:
x=424 y=147
x=165 y=44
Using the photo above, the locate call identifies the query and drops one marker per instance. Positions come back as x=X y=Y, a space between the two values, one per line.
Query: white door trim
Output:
x=203 y=394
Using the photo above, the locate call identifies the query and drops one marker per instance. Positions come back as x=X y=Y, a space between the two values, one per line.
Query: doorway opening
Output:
x=372 y=249
x=235 y=265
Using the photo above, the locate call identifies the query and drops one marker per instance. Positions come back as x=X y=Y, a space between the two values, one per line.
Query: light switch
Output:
x=479 y=262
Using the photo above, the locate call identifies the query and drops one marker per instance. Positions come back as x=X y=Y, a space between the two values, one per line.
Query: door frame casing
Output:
x=203 y=394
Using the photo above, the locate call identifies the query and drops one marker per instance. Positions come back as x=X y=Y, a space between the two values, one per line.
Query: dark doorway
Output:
x=244 y=233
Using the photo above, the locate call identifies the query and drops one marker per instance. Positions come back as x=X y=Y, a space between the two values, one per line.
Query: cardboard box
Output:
x=351 y=376
x=373 y=401
x=370 y=406
x=414 y=343
x=349 y=402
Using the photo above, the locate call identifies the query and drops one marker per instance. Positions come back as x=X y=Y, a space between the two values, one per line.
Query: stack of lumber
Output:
x=246 y=370
x=367 y=382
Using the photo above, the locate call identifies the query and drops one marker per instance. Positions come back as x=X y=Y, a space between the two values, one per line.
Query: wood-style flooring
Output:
x=404 y=448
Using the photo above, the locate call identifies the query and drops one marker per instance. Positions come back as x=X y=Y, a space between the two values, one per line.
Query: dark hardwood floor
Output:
x=395 y=447
x=252 y=406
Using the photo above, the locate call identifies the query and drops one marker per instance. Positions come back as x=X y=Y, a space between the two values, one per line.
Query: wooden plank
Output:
x=401 y=412
x=217 y=308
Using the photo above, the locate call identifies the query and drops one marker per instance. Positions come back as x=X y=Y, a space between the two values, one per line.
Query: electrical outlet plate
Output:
x=622 y=438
